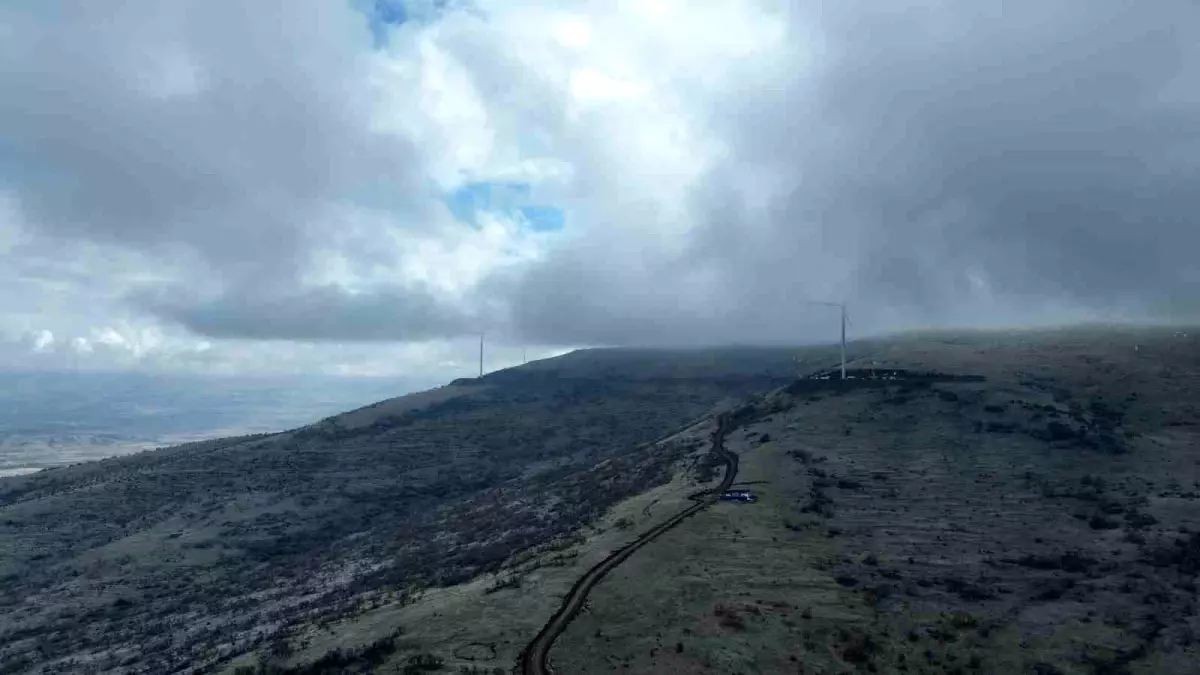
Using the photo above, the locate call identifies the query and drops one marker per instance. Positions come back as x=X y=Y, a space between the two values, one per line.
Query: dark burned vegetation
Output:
x=191 y=555
x=364 y=659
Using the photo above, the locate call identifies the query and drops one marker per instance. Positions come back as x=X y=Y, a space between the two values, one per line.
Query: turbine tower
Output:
x=842 y=308
x=481 y=354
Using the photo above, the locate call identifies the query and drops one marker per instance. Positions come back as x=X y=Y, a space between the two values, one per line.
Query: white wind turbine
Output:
x=844 y=317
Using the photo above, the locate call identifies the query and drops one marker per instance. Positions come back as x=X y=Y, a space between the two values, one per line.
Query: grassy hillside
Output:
x=1033 y=513
x=186 y=557
x=1043 y=520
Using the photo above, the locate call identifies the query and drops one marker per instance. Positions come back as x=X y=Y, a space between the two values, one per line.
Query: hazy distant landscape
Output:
x=53 y=419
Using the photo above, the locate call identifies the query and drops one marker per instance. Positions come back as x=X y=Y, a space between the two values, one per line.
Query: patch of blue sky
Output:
x=544 y=218
x=382 y=15
x=512 y=200
x=471 y=198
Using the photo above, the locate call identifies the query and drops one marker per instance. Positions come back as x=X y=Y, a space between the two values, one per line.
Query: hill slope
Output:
x=1031 y=509
x=1043 y=520
x=182 y=558
x=1034 y=512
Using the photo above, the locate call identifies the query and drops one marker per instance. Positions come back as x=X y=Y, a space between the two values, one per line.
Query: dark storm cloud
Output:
x=1054 y=129
x=1040 y=144
x=946 y=163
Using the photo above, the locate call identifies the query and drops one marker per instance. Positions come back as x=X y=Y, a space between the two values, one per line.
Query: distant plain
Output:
x=61 y=418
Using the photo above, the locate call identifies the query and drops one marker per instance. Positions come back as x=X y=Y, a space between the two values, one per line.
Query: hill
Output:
x=181 y=558
x=1029 y=507
x=1042 y=520
x=970 y=502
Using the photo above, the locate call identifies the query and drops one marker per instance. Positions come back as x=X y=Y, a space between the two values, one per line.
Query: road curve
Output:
x=534 y=660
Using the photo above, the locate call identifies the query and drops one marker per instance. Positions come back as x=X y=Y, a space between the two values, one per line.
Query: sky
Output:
x=361 y=187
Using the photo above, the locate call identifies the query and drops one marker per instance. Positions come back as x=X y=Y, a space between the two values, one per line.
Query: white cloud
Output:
x=224 y=186
x=42 y=341
x=81 y=345
x=426 y=95
x=572 y=31
x=593 y=86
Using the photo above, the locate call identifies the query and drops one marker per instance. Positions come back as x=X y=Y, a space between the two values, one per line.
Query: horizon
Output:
x=508 y=351
x=276 y=405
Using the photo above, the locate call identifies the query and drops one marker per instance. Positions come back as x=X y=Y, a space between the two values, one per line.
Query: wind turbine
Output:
x=481 y=354
x=842 y=307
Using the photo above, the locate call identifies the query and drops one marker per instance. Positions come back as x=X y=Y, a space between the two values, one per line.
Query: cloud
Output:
x=927 y=162
x=587 y=172
x=921 y=149
x=193 y=128
x=327 y=313
x=40 y=341
x=1033 y=147
x=81 y=345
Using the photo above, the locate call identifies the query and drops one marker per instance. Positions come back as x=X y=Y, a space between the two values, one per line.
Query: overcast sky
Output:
x=357 y=186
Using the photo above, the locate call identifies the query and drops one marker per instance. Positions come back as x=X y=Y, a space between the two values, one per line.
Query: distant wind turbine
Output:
x=842 y=307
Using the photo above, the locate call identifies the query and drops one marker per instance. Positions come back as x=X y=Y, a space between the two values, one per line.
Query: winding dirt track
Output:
x=534 y=660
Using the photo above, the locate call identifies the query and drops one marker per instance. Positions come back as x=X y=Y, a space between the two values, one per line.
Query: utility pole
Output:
x=481 y=354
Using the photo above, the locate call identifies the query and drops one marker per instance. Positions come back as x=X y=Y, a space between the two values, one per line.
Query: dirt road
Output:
x=534 y=659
